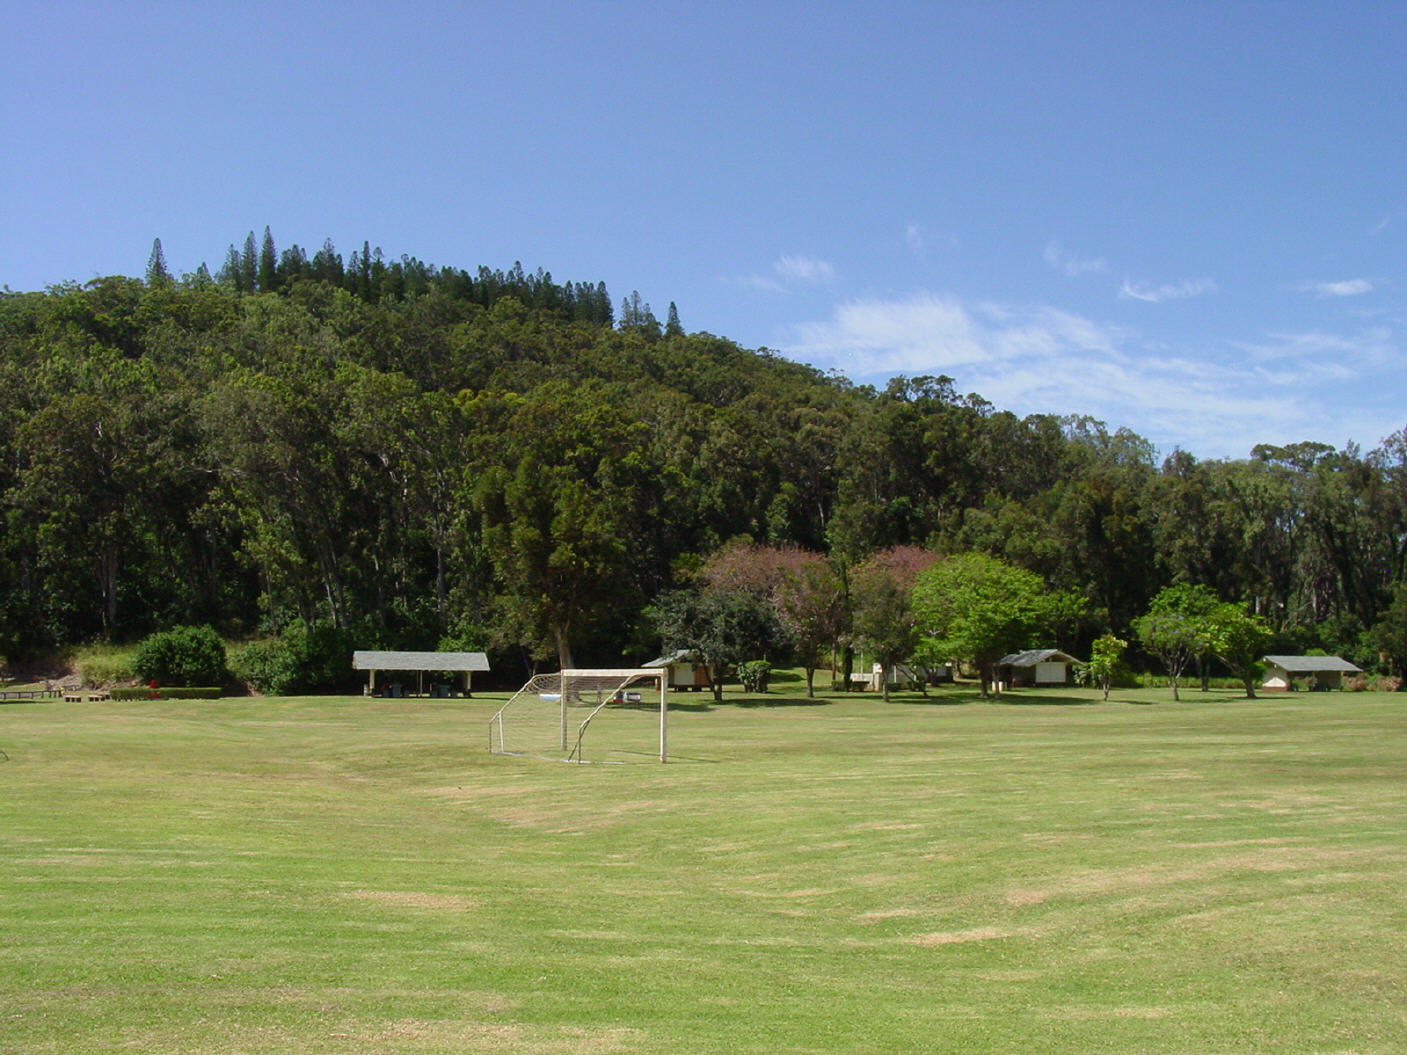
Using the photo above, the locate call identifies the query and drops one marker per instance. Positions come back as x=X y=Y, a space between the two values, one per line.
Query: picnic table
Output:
x=92 y=696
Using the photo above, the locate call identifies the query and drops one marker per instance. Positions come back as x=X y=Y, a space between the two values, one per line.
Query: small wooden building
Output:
x=1316 y=673
x=419 y=664
x=1036 y=666
x=686 y=670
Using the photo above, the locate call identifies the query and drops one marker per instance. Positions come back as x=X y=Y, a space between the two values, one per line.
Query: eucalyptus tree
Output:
x=559 y=478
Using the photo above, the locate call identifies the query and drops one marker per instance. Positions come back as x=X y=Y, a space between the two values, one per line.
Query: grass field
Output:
x=1045 y=874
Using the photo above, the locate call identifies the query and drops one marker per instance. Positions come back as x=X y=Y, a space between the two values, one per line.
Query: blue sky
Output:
x=1185 y=218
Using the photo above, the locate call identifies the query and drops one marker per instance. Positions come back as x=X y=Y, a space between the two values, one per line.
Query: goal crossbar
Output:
x=550 y=716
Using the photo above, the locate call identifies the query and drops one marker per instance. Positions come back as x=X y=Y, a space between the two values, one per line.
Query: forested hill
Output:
x=420 y=454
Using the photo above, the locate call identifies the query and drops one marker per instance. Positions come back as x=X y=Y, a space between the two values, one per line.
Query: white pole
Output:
x=664 y=717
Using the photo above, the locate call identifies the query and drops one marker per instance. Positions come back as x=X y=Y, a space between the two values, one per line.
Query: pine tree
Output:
x=268 y=263
x=249 y=266
x=229 y=274
x=327 y=265
x=157 y=275
x=672 y=326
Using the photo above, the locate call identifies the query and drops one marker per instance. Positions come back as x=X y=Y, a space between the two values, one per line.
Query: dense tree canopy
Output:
x=409 y=453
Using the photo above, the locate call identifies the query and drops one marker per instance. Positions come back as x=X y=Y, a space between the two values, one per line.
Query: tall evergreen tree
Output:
x=249 y=266
x=268 y=263
x=229 y=274
x=157 y=274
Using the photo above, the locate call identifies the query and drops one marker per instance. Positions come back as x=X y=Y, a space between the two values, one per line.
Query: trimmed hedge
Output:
x=169 y=692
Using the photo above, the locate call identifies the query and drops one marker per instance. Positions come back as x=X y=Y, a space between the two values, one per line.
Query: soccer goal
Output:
x=612 y=716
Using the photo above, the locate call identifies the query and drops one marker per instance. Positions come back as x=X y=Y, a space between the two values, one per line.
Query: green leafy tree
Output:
x=88 y=462
x=1174 y=627
x=1105 y=661
x=1389 y=635
x=561 y=482
x=725 y=627
x=977 y=608
x=1237 y=639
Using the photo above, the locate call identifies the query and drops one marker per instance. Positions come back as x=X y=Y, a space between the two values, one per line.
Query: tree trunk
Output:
x=810 y=683
x=564 y=647
x=441 y=587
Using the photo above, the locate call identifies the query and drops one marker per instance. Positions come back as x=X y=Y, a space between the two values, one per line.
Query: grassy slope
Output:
x=944 y=875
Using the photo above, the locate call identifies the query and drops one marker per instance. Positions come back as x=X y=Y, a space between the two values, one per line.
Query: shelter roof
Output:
x=684 y=655
x=1033 y=656
x=372 y=660
x=1313 y=664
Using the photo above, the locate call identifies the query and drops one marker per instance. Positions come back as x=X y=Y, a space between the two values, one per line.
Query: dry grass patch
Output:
x=960 y=937
x=415 y=899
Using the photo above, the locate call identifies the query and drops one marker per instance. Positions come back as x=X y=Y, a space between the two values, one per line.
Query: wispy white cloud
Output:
x=804 y=269
x=1217 y=401
x=1346 y=288
x=1191 y=287
x=913 y=238
x=1293 y=358
x=1070 y=265
x=789 y=272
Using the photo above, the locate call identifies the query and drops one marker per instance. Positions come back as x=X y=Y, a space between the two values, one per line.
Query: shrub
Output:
x=306 y=657
x=754 y=675
x=1389 y=683
x=185 y=655
x=104 y=665
x=1357 y=683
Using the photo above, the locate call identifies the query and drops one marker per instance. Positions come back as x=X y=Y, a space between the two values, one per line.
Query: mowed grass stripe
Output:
x=935 y=875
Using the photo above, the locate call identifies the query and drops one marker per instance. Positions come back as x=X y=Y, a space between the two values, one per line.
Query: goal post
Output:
x=590 y=715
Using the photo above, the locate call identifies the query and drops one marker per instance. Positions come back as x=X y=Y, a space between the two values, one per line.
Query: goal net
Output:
x=614 y=716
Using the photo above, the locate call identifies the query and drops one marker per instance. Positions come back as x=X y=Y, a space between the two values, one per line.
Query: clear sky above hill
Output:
x=1187 y=219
